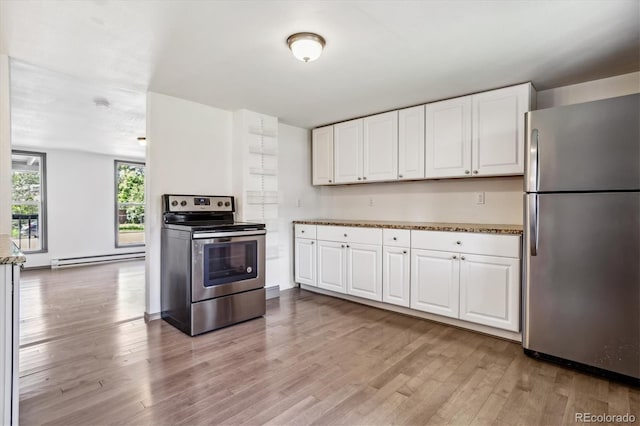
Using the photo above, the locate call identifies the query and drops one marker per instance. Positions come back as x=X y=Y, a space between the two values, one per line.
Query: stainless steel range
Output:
x=212 y=267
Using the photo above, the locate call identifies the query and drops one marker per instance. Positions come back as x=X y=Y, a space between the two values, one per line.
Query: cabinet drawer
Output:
x=396 y=237
x=350 y=235
x=467 y=242
x=306 y=231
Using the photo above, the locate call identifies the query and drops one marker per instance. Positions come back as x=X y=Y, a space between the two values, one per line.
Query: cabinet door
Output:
x=322 y=155
x=448 y=138
x=347 y=145
x=498 y=131
x=305 y=263
x=435 y=279
x=411 y=143
x=381 y=147
x=331 y=266
x=364 y=271
x=490 y=291
x=395 y=279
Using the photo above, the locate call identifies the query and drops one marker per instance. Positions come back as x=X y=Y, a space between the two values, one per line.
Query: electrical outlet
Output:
x=370 y=202
x=479 y=197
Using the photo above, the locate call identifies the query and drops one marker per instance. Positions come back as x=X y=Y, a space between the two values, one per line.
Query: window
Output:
x=129 y=203
x=28 y=201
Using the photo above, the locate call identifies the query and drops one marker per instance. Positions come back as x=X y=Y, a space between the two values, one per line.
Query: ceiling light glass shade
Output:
x=306 y=47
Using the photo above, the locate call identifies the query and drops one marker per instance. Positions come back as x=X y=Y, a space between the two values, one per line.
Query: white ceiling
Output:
x=380 y=55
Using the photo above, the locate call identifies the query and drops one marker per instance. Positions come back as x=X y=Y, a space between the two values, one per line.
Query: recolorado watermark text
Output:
x=605 y=418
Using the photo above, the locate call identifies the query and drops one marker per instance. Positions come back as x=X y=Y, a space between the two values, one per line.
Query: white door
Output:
x=305 y=261
x=331 y=266
x=490 y=291
x=498 y=131
x=448 y=138
x=396 y=274
x=435 y=278
x=364 y=271
x=381 y=147
x=347 y=145
x=322 y=155
x=411 y=143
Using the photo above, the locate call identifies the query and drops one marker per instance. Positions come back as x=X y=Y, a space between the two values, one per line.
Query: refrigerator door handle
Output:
x=533 y=158
x=533 y=224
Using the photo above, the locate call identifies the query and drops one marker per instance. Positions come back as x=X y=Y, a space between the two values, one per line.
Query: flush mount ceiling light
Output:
x=306 y=47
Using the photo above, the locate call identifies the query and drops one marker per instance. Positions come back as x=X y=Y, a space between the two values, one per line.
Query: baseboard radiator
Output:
x=88 y=260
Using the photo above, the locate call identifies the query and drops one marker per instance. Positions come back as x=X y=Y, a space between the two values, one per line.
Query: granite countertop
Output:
x=9 y=252
x=420 y=226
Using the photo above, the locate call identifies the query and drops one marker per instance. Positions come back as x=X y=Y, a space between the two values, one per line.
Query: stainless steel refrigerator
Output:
x=581 y=273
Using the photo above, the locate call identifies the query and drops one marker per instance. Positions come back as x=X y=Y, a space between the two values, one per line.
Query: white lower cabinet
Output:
x=364 y=271
x=490 y=290
x=305 y=261
x=435 y=278
x=473 y=277
x=396 y=275
x=332 y=266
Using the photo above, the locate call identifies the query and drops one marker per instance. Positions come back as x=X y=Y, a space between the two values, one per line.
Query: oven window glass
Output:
x=229 y=262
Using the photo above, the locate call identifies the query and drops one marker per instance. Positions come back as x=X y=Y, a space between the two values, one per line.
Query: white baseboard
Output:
x=87 y=260
x=496 y=332
x=273 y=292
x=152 y=317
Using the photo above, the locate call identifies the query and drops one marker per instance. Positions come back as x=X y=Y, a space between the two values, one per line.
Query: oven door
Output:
x=226 y=263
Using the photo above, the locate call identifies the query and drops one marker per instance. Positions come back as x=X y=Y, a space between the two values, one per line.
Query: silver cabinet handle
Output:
x=458 y=242
x=466 y=172
x=359 y=178
x=454 y=257
x=364 y=178
x=312 y=242
x=345 y=235
x=342 y=245
x=395 y=239
x=400 y=176
x=475 y=172
x=302 y=231
x=330 y=181
x=462 y=258
x=404 y=252
x=347 y=245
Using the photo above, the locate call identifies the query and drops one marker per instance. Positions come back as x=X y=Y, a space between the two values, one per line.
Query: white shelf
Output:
x=259 y=130
x=262 y=150
x=261 y=171
x=263 y=197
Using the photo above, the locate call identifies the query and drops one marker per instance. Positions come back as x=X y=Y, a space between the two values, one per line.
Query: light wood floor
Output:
x=89 y=359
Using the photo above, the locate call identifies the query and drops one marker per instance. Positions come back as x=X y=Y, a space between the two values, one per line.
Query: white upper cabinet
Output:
x=448 y=138
x=411 y=143
x=498 y=130
x=381 y=147
x=322 y=155
x=348 y=141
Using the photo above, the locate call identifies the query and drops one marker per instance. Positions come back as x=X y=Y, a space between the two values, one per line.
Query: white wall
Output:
x=619 y=85
x=80 y=206
x=188 y=152
x=298 y=200
x=5 y=146
x=449 y=200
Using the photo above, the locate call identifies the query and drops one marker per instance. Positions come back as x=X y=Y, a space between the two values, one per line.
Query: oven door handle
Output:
x=202 y=235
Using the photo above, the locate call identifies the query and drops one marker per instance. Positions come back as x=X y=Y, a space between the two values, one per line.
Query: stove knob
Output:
x=220 y=203
x=183 y=203
x=227 y=204
x=174 y=203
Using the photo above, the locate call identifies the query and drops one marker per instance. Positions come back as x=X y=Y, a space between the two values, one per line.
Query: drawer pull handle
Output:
x=345 y=235
x=342 y=245
x=458 y=242
x=312 y=242
x=347 y=245
x=404 y=252
x=462 y=258
x=454 y=257
x=302 y=231
x=395 y=239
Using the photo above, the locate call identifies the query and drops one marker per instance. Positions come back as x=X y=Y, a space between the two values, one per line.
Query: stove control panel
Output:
x=198 y=203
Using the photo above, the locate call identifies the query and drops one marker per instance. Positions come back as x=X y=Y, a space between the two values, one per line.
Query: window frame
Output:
x=116 y=203
x=43 y=226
